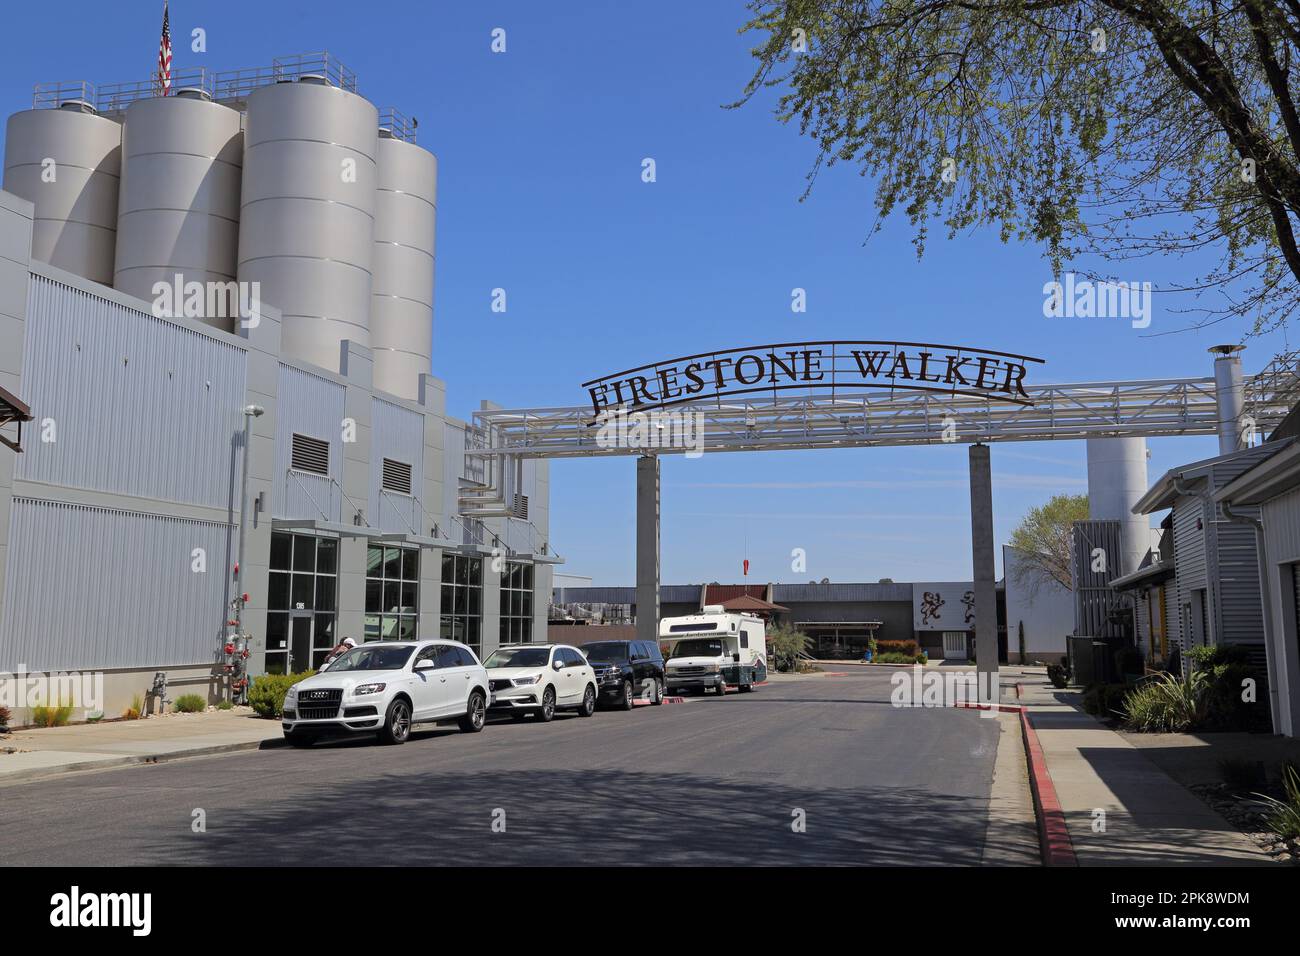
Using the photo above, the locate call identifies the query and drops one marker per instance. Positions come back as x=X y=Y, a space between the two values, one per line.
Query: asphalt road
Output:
x=706 y=782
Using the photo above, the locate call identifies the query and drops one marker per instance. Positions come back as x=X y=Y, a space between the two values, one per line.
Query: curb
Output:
x=42 y=773
x=1053 y=835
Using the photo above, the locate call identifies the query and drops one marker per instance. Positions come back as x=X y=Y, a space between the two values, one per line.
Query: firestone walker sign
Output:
x=817 y=368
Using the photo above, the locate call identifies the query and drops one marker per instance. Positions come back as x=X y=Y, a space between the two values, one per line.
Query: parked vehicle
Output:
x=626 y=670
x=541 y=679
x=385 y=687
x=714 y=649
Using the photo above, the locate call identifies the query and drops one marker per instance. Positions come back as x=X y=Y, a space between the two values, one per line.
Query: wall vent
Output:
x=521 y=507
x=397 y=476
x=311 y=454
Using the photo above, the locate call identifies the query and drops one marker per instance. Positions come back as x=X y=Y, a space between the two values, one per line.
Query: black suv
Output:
x=626 y=670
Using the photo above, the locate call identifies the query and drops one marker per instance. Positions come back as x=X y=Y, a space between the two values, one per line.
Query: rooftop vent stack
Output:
x=1230 y=395
x=307 y=216
x=66 y=161
x=401 y=313
x=178 y=209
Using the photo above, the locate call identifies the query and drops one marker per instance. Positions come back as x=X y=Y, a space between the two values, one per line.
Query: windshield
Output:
x=699 y=647
x=519 y=657
x=606 y=651
x=369 y=657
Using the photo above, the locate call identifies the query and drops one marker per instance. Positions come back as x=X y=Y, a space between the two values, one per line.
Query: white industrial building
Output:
x=217 y=306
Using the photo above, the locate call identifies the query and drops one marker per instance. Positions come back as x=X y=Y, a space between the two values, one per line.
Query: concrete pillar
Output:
x=1117 y=478
x=647 y=548
x=1230 y=395
x=355 y=366
x=985 y=575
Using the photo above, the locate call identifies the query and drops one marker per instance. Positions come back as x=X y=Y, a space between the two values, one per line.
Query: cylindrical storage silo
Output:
x=1117 y=479
x=307 y=213
x=401 y=311
x=178 y=208
x=66 y=161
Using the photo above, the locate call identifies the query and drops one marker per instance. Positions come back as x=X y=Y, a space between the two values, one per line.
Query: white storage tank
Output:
x=66 y=161
x=1117 y=479
x=307 y=213
x=401 y=313
x=178 y=208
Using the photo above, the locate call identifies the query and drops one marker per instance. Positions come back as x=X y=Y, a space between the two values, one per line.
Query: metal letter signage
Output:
x=816 y=368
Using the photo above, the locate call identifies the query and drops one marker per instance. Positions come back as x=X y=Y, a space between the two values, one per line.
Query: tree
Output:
x=1043 y=539
x=1123 y=128
x=785 y=644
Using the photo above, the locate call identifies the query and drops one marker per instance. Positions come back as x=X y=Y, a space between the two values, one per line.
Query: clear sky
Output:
x=540 y=154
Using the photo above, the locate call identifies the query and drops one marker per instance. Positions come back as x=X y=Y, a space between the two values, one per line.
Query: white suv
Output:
x=541 y=679
x=385 y=687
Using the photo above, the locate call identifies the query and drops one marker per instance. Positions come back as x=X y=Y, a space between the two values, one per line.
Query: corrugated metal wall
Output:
x=1093 y=597
x=98 y=588
x=1189 y=564
x=396 y=433
x=128 y=393
x=309 y=405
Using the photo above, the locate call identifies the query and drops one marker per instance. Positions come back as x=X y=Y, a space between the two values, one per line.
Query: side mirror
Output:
x=736 y=658
x=424 y=665
x=558 y=665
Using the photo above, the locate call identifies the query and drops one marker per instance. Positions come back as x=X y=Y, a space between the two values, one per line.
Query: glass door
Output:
x=300 y=641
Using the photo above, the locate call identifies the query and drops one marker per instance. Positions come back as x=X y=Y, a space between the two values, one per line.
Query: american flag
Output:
x=165 y=55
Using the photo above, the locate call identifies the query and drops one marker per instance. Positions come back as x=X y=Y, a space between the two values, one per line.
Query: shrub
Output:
x=225 y=705
x=266 y=696
x=785 y=644
x=1242 y=775
x=1058 y=675
x=1167 y=704
x=136 y=710
x=46 y=715
x=908 y=648
x=1105 y=700
x=5 y=716
x=1283 y=816
x=189 y=704
x=894 y=657
x=1205 y=657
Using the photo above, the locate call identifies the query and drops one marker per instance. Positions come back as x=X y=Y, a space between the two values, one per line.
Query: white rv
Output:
x=713 y=649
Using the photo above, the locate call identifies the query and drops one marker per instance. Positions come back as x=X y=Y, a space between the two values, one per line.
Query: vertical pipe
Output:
x=647 y=548
x=1230 y=394
x=982 y=563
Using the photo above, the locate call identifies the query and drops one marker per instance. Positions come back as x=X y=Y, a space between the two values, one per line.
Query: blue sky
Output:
x=540 y=193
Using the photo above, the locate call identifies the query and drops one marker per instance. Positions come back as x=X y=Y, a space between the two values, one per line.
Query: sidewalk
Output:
x=1149 y=818
x=55 y=750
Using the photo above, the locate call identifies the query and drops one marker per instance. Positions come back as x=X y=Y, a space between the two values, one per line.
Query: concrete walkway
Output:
x=36 y=754
x=1146 y=818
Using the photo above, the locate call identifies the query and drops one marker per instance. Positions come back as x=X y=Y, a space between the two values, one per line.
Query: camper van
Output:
x=713 y=650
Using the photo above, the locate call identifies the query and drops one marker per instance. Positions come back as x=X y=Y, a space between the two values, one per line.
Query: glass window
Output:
x=392 y=595
x=304 y=553
x=281 y=548
x=462 y=599
x=277 y=591
x=516 y=602
x=327 y=556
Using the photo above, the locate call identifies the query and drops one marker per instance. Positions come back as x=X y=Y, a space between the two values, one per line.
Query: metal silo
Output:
x=178 y=208
x=66 y=161
x=401 y=312
x=307 y=213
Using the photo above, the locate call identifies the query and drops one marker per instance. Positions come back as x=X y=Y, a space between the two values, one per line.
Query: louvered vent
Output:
x=397 y=476
x=311 y=454
x=521 y=507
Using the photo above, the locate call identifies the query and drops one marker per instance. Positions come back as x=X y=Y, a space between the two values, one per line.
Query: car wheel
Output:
x=299 y=739
x=628 y=700
x=547 y=710
x=746 y=688
x=475 y=714
x=722 y=688
x=397 y=723
x=658 y=697
x=588 y=702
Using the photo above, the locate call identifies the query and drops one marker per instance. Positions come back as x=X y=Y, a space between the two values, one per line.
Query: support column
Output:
x=647 y=548
x=1230 y=395
x=984 y=568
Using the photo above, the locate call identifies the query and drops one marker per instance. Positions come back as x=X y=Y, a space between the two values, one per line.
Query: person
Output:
x=339 y=650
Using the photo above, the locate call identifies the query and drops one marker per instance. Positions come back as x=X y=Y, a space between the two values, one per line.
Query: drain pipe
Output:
x=1266 y=603
x=250 y=412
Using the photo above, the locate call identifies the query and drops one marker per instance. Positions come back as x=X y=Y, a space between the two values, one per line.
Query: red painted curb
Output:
x=1053 y=835
x=1001 y=708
